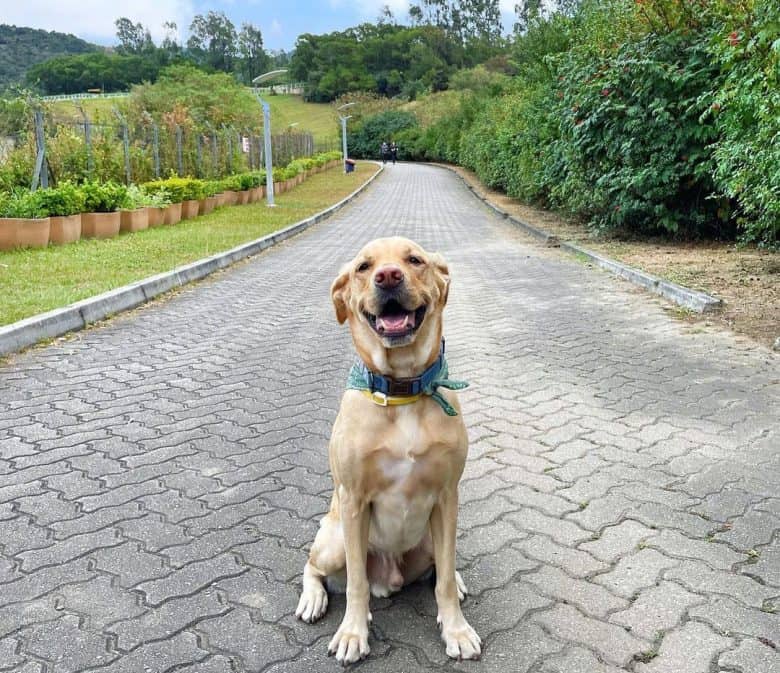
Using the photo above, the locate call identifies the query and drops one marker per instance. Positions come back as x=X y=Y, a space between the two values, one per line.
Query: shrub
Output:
x=383 y=127
x=64 y=199
x=138 y=197
x=104 y=197
x=178 y=189
x=22 y=203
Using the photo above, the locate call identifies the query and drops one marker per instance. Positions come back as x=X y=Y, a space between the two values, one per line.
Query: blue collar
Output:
x=402 y=387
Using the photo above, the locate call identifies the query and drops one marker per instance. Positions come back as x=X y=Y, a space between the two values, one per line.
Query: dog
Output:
x=397 y=451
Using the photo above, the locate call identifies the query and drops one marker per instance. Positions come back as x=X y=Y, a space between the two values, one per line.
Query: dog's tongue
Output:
x=395 y=322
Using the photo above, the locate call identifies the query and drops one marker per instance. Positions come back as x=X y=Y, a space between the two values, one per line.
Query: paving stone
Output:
x=751 y=655
x=189 y=579
x=563 y=532
x=153 y=532
x=66 y=645
x=703 y=579
x=171 y=617
x=751 y=530
x=43 y=581
x=689 y=649
x=99 y=600
x=575 y=562
x=495 y=570
x=520 y=650
x=179 y=649
x=576 y=660
x=589 y=598
x=130 y=564
x=613 y=643
x=259 y=590
x=618 y=540
x=657 y=609
x=673 y=543
x=487 y=539
x=255 y=644
x=69 y=549
x=636 y=571
x=728 y=616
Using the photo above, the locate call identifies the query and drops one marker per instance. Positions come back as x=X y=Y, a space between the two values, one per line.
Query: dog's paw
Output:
x=350 y=644
x=313 y=603
x=462 y=590
x=461 y=641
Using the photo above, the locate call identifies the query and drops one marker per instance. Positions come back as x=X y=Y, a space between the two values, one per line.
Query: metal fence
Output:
x=55 y=148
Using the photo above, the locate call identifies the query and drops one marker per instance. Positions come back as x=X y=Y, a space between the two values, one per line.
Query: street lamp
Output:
x=269 y=167
x=344 y=131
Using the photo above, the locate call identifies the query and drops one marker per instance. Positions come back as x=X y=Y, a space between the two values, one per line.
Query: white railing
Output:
x=81 y=96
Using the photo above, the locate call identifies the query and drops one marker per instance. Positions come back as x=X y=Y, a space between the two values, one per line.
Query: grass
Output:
x=319 y=119
x=36 y=280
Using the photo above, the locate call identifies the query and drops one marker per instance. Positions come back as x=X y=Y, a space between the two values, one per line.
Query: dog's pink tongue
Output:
x=395 y=323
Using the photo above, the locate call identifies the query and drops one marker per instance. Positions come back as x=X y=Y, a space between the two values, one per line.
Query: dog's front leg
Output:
x=461 y=640
x=351 y=640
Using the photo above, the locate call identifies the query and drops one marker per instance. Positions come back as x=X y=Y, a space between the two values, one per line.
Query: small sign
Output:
x=245 y=144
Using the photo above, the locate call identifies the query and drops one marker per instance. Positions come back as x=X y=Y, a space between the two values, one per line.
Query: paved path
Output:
x=162 y=476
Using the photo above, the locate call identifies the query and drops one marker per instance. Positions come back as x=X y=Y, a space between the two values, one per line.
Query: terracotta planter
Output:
x=242 y=197
x=211 y=203
x=255 y=194
x=231 y=197
x=202 y=207
x=100 y=225
x=134 y=220
x=278 y=187
x=155 y=216
x=189 y=209
x=220 y=199
x=290 y=183
x=262 y=193
x=21 y=232
x=172 y=214
x=65 y=229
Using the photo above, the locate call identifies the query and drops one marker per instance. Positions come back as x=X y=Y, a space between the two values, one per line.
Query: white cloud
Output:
x=95 y=18
x=276 y=28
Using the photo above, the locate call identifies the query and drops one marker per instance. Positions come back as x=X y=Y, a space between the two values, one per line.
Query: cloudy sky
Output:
x=280 y=22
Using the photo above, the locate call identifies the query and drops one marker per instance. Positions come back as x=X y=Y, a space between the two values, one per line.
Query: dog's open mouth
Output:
x=395 y=320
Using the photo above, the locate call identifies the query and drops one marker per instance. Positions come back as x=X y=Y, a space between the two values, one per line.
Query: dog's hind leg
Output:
x=326 y=558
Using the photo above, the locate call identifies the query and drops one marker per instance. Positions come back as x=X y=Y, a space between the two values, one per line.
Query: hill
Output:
x=21 y=48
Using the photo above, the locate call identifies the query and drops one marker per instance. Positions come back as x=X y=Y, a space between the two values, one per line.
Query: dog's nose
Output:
x=388 y=277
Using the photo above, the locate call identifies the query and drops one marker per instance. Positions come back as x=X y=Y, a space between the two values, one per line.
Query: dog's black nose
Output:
x=388 y=277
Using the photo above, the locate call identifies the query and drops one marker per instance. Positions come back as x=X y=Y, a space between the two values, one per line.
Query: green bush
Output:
x=178 y=189
x=64 y=199
x=366 y=140
x=104 y=197
x=22 y=203
x=138 y=197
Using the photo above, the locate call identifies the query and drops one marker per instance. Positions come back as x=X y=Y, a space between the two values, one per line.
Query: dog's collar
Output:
x=386 y=391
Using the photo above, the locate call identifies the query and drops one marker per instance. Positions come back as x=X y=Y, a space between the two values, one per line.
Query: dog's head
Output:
x=393 y=293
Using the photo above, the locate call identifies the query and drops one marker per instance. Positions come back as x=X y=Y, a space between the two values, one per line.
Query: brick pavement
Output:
x=161 y=476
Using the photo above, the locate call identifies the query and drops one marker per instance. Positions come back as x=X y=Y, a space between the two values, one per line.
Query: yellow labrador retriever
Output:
x=397 y=450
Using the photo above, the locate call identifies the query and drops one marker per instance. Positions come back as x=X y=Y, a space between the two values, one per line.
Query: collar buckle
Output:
x=379 y=398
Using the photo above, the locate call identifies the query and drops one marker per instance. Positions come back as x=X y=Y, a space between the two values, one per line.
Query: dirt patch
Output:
x=746 y=279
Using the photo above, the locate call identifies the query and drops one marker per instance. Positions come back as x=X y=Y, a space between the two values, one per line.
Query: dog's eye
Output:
x=415 y=260
x=363 y=267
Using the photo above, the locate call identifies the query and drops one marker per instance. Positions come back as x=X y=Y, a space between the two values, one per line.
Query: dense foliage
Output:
x=22 y=48
x=635 y=116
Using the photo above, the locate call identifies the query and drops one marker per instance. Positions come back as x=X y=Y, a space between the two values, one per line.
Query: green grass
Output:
x=37 y=280
x=319 y=119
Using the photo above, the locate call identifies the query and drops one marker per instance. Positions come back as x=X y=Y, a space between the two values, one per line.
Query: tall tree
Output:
x=254 y=60
x=133 y=38
x=213 y=40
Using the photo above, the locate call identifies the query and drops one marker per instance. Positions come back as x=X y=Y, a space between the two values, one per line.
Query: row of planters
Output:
x=69 y=212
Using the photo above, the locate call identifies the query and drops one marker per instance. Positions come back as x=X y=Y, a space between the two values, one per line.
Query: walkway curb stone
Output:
x=77 y=316
x=699 y=302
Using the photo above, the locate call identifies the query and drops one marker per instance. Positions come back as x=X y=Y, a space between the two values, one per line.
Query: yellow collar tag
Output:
x=383 y=400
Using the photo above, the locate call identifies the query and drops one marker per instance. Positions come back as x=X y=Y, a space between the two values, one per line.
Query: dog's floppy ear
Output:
x=442 y=272
x=339 y=293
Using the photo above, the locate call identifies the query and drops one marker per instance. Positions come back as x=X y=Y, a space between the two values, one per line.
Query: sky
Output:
x=280 y=22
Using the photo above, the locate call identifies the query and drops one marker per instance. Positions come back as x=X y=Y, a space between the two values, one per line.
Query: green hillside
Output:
x=21 y=48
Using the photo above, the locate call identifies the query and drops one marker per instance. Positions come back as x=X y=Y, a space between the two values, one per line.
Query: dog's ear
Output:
x=442 y=272
x=339 y=293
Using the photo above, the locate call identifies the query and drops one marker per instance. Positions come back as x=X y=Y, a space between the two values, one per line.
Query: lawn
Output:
x=37 y=280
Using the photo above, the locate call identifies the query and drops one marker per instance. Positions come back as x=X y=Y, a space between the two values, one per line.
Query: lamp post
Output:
x=343 y=119
x=269 y=167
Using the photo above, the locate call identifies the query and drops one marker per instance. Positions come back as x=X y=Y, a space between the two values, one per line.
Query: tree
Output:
x=213 y=40
x=254 y=60
x=133 y=38
x=170 y=44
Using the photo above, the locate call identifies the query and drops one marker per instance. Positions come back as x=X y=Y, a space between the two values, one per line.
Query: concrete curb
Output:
x=682 y=296
x=24 y=333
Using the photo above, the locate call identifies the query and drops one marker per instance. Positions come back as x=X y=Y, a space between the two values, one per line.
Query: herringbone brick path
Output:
x=161 y=477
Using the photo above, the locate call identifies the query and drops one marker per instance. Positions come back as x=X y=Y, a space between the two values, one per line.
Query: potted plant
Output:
x=64 y=205
x=174 y=190
x=210 y=198
x=156 y=204
x=279 y=178
x=258 y=180
x=192 y=193
x=135 y=215
x=102 y=202
x=230 y=189
x=23 y=221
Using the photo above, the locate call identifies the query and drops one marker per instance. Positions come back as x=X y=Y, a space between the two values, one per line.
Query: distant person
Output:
x=385 y=150
x=393 y=151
